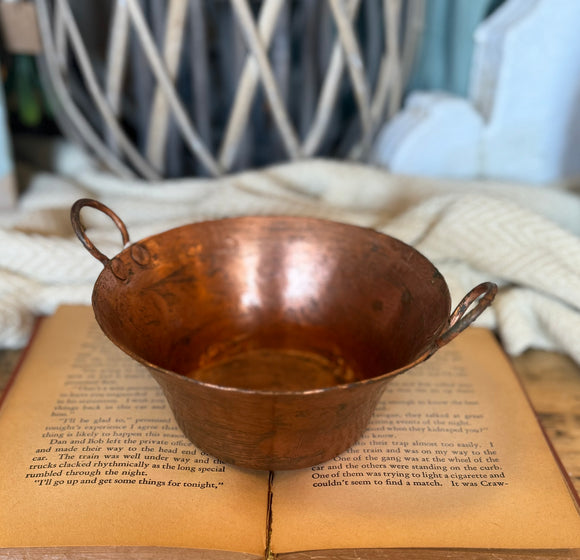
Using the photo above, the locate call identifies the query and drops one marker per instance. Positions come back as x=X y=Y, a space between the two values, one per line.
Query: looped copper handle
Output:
x=80 y=230
x=468 y=310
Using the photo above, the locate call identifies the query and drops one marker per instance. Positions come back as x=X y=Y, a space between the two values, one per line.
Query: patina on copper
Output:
x=273 y=337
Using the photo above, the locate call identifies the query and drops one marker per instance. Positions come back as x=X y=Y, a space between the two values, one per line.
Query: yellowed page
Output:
x=453 y=457
x=90 y=455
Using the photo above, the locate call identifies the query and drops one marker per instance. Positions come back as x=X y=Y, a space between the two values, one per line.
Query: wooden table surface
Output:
x=553 y=385
x=551 y=380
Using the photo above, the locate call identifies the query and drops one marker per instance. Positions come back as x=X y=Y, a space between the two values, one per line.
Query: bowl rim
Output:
x=429 y=349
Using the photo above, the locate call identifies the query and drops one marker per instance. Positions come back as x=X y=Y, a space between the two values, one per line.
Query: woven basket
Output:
x=190 y=87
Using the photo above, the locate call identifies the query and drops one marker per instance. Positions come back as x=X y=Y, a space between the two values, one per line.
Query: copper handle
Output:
x=468 y=310
x=75 y=217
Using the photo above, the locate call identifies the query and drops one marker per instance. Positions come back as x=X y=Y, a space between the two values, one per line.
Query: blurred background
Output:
x=179 y=88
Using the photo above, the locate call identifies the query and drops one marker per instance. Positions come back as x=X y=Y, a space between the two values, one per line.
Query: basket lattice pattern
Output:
x=171 y=88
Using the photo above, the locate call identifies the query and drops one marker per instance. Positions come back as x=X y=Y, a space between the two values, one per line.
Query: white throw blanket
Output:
x=527 y=239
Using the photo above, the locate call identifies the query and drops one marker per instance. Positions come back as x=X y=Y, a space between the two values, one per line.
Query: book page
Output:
x=453 y=457
x=90 y=456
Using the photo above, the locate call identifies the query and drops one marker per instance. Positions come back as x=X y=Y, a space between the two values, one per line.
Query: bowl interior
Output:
x=278 y=304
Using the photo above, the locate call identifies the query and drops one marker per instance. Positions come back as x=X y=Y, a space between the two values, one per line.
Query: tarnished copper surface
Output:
x=273 y=337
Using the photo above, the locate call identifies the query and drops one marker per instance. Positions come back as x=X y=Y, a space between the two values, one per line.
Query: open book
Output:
x=93 y=465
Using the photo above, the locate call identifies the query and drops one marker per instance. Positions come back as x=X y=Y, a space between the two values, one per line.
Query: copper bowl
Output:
x=273 y=337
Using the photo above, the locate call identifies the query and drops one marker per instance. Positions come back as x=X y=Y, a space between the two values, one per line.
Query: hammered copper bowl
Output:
x=273 y=337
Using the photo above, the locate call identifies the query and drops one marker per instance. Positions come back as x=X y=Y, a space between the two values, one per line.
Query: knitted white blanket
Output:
x=527 y=239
